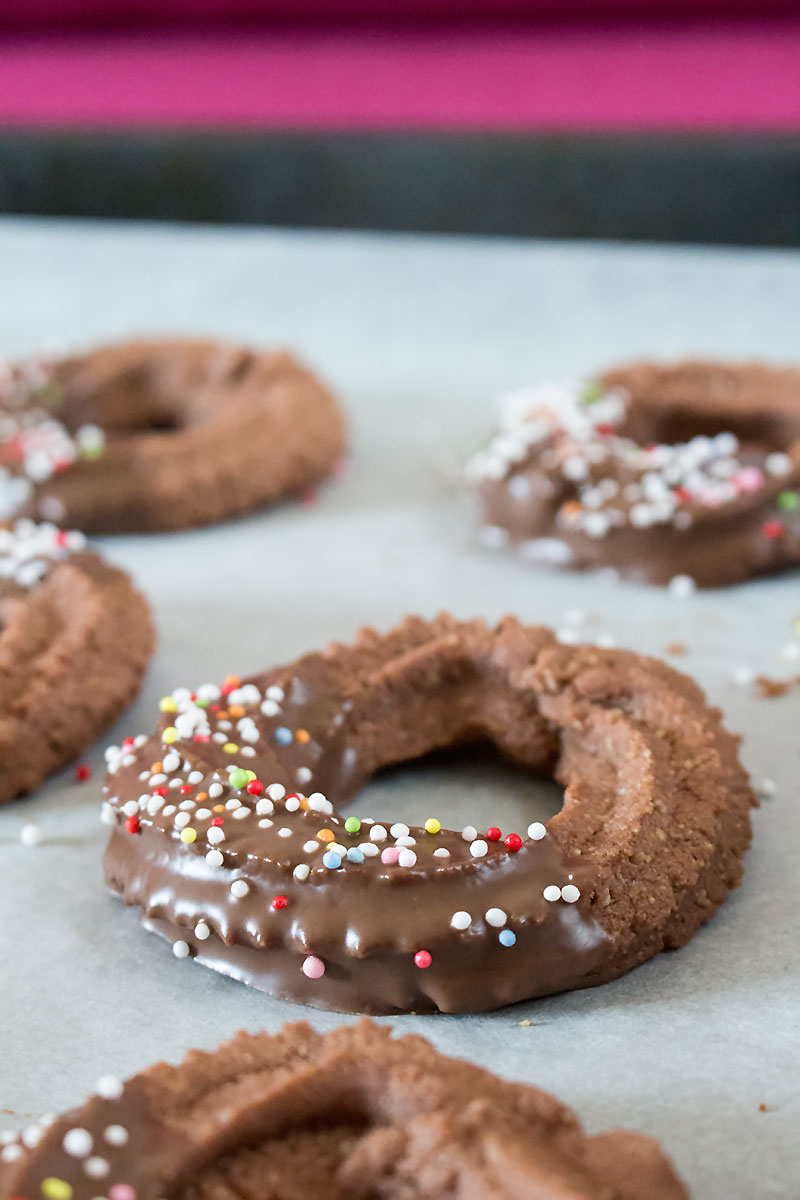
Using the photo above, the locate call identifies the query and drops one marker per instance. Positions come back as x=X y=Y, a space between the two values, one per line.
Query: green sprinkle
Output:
x=352 y=824
x=789 y=501
x=238 y=778
x=591 y=393
x=201 y=703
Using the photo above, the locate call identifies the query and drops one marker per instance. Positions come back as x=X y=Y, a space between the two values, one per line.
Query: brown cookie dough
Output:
x=658 y=472
x=226 y=830
x=338 y=1116
x=155 y=435
x=75 y=638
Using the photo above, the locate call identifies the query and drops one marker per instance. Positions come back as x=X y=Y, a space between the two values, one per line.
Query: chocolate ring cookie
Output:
x=226 y=830
x=155 y=435
x=691 y=470
x=75 y=638
x=352 y=1113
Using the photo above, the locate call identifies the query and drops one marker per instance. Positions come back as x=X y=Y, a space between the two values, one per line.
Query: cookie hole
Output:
x=464 y=786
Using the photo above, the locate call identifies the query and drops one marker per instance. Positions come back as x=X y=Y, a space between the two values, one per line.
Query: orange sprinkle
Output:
x=303 y=735
x=304 y=803
x=232 y=681
x=223 y=714
x=219 y=808
x=326 y=835
x=236 y=710
x=571 y=506
x=202 y=796
x=156 y=768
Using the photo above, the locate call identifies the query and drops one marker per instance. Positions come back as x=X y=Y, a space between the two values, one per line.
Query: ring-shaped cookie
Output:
x=158 y=435
x=75 y=638
x=353 y=1113
x=226 y=830
x=689 y=471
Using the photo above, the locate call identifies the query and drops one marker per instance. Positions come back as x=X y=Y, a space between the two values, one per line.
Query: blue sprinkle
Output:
x=506 y=937
x=283 y=736
x=355 y=855
x=332 y=860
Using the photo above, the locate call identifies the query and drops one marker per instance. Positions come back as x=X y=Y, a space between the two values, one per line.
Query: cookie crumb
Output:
x=676 y=648
x=768 y=688
x=526 y=1023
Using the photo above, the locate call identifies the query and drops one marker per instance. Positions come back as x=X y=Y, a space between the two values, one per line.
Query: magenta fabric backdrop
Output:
x=618 y=76
x=64 y=12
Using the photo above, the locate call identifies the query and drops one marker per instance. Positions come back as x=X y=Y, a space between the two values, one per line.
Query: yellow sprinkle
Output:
x=432 y=825
x=325 y=835
x=170 y=735
x=167 y=704
x=303 y=735
x=230 y=748
x=56 y=1189
x=252 y=775
x=188 y=835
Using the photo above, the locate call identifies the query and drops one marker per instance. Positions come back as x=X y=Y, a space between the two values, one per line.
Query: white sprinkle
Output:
x=778 y=463
x=276 y=791
x=170 y=810
x=681 y=586
x=270 y=708
x=157 y=780
x=31 y=835
x=265 y=808
x=233 y=803
x=311 y=846
x=303 y=775
x=180 y=949
x=97 y=1168
x=570 y=893
x=378 y=833
x=605 y=641
x=109 y=1087
x=203 y=814
x=116 y=1135
x=537 y=831
x=406 y=858
x=575 y=468
x=182 y=820
x=201 y=931
x=131 y=808
x=767 y=788
x=275 y=693
x=469 y=833
x=240 y=888
x=567 y=637
x=301 y=871
x=78 y=1143
x=215 y=835
x=743 y=676
x=194 y=777
x=108 y=814
x=242 y=812
x=790 y=652
x=442 y=852
x=552 y=892
x=461 y=920
x=368 y=849
x=478 y=848
x=11 y=1153
x=171 y=761
x=214 y=858
x=406 y=841
x=495 y=917
x=265 y=823
x=215 y=790
x=292 y=804
x=399 y=830
x=285 y=832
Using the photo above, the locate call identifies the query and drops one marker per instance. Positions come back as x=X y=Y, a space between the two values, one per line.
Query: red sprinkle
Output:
x=255 y=787
x=83 y=772
x=186 y=789
x=132 y=824
x=160 y=791
x=217 y=820
x=127 y=743
x=279 y=902
x=605 y=430
x=493 y=833
x=513 y=842
x=682 y=495
x=422 y=959
x=772 y=529
x=61 y=537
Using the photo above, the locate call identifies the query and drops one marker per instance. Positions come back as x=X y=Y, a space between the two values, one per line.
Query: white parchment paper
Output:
x=417 y=335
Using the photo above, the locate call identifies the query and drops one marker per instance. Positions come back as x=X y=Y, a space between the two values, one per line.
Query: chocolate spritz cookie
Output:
x=308 y=1116
x=659 y=472
x=227 y=834
x=154 y=435
x=75 y=638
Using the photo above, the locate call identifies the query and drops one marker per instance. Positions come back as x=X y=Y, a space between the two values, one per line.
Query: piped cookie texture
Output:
x=157 y=435
x=661 y=473
x=337 y=1116
x=75 y=639
x=226 y=830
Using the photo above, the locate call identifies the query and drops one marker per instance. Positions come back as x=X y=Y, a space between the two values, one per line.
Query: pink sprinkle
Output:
x=423 y=959
x=749 y=479
x=121 y=1191
x=313 y=968
x=390 y=854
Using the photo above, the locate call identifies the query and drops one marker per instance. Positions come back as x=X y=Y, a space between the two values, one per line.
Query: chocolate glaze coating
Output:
x=348 y=1114
x=157 y=435
x=75 y=639
x=652 y=489
x=650 y=839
